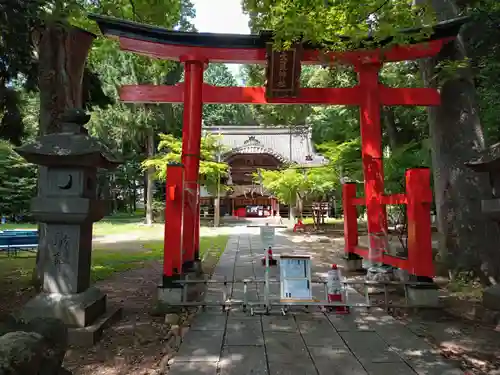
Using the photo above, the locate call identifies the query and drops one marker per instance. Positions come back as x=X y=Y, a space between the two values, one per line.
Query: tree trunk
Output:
x=134 y=197
x=469 y=241
x=300 y=206
x=62 y=51
x=150 y=177
x=216 y=211
x=389 y=121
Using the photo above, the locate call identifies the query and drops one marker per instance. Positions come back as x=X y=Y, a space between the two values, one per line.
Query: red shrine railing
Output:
x=418 y=198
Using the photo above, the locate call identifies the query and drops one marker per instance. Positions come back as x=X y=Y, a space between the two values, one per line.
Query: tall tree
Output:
x=470 y=241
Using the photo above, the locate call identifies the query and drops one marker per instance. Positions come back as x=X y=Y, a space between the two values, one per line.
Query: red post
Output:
x=174 y=208
x=419 y=198
x=350 y=218
x=371 y=148
x=191 y=140
x=197 y=227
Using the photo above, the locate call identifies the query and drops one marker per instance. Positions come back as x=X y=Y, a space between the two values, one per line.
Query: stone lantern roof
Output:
x=70 y=147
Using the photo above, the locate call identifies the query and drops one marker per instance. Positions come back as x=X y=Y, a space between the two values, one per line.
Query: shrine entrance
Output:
x=196 y=50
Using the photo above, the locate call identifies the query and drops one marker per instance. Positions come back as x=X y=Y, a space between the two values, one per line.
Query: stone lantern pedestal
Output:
x=67 y=203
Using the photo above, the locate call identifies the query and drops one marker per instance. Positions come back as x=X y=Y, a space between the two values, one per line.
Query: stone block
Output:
x=423 y=297
x=91 y=334
x=167 y=299
x=353 y=265
x=75 y=310
x=491 y=297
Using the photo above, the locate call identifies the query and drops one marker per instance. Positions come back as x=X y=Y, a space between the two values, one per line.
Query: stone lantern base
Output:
x=85 y=314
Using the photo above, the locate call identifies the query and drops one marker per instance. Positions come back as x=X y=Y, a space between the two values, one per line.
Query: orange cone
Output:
x=272 y=261
x=334 y=287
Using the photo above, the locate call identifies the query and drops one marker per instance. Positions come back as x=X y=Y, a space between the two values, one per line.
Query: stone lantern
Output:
x=68 y=205
x=489 y=163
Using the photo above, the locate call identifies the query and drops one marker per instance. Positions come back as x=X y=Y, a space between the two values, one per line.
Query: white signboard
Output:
x=295 y=276
x=267 y=236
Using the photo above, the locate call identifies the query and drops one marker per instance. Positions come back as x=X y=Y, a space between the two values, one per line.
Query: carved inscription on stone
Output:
x=60 y=243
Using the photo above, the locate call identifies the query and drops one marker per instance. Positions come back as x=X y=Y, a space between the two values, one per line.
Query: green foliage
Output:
x=283 y=184
x=224 y=114
x=323 y=22
x=310 y=185
x=411 y=155
x=17 y=182
x=170 y=150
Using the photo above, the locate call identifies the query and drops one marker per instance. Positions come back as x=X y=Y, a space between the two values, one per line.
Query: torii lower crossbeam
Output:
x=256 y=95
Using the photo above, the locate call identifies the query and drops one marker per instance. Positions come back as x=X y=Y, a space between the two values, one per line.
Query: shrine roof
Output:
x=122 y=28
x=285 y=143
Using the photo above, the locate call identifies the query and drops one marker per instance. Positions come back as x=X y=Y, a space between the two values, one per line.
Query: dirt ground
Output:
x=135 y=344
x=138 y=344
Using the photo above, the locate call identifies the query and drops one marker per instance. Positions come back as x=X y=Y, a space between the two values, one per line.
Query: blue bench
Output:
x=14 y=241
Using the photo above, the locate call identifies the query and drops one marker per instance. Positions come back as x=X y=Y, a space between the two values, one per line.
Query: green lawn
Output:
x=15 y=272
x=116 y=224
x=309 y=220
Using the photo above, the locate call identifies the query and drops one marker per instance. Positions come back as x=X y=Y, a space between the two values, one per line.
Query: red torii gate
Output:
x=196 y=50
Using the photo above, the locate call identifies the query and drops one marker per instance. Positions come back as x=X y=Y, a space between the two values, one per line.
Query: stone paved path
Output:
x=300 y=343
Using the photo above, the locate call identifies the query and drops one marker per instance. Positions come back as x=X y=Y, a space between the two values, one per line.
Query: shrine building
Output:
x=249 y=148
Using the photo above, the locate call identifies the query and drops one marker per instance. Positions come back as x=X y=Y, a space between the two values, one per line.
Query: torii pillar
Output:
x=191 y=143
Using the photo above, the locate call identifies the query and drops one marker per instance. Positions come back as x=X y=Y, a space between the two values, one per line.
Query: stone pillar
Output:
x=68 y=205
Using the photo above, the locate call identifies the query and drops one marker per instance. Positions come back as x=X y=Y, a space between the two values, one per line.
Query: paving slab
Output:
x=292 y=367
x=350 y=322
x=200 y=346
x=244 y=331
x=243 y=360
x=278 y=323
x=369 y=347
x=319 y=332
x=285 y=347
x=243 y=272
x=337 y=361
x=431 y=364
x=399 y=368
x=193 y=368
x=209 y=321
